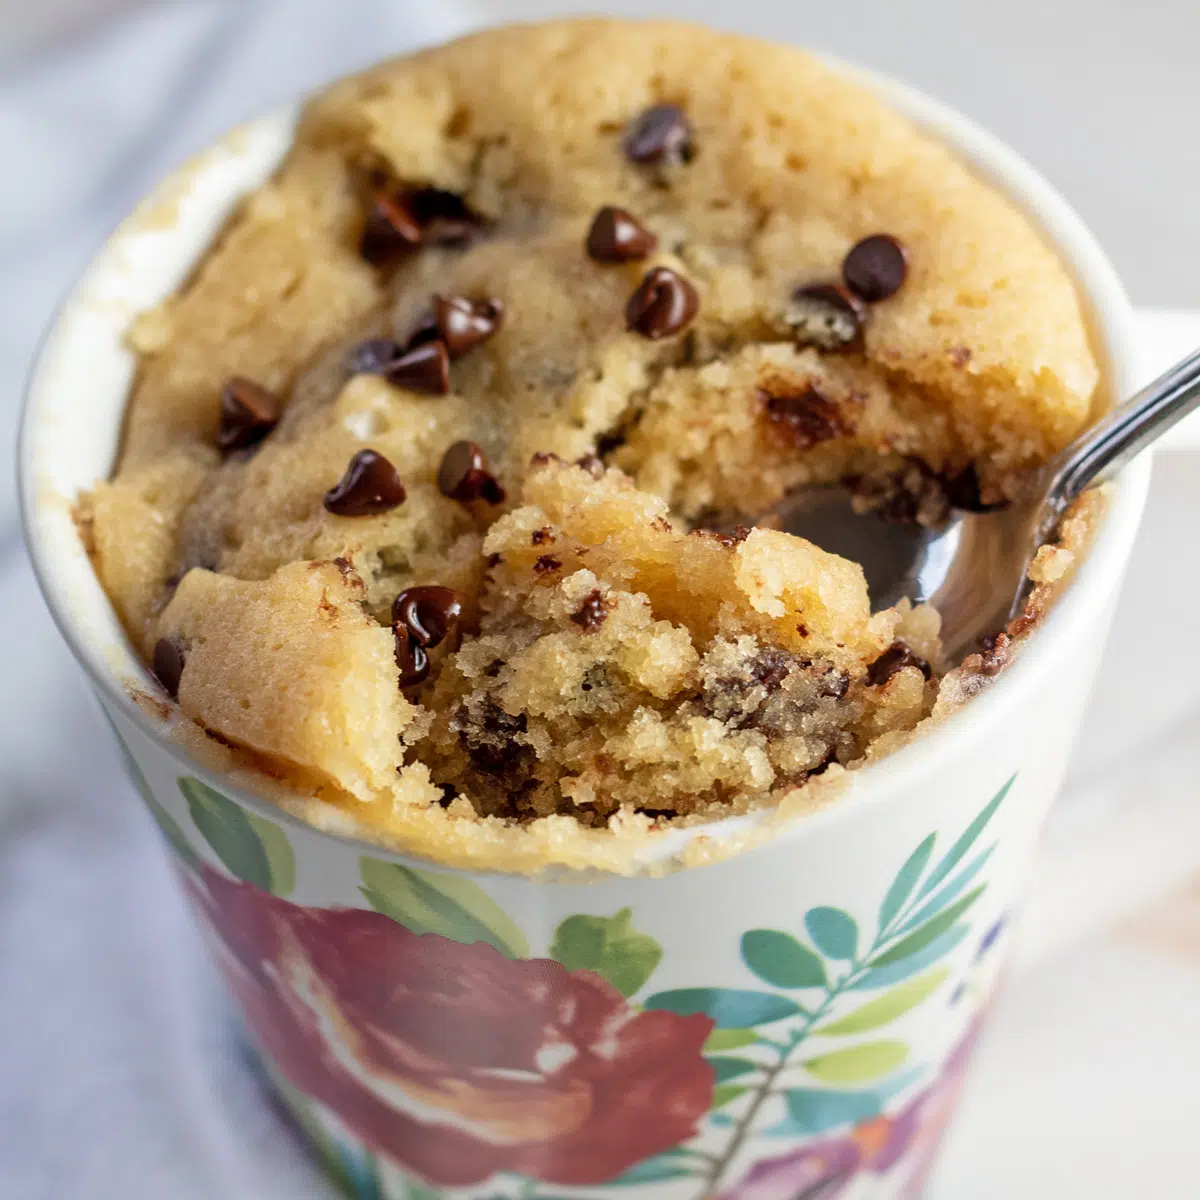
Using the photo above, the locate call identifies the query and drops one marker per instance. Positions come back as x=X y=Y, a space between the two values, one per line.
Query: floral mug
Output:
x=786 y=1022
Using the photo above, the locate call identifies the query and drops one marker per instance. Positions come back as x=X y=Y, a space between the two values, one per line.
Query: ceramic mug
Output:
x=791 y=1021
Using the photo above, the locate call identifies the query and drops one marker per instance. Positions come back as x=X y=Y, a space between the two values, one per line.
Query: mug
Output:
x=785 y=1013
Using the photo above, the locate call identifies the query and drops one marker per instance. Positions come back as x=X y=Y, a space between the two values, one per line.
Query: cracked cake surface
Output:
x=422 y=467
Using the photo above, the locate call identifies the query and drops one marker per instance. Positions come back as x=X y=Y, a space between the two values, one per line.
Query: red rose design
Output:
x=455 y=1060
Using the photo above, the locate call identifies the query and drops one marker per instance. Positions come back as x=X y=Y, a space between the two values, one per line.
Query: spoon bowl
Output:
x=974 y=567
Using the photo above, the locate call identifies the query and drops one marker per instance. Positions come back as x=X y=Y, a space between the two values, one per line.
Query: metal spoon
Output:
x=972 y=568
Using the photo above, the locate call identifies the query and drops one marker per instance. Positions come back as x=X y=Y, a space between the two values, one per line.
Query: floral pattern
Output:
x=424 y=1046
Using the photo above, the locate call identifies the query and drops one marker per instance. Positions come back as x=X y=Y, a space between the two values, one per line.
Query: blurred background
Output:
x=119 y=1072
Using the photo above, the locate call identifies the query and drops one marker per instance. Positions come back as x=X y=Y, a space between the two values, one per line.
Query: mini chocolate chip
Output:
x=546 y=563
x=618 y=236
x=425 y=368
x=592 y=612
x=826 y=315
x=592 y=465
x=540 y=537
x=663 y=304
x=662 y=134
x=411 y=658
x=373 y=357
x=391 y=229
x=445 y=217
x=465 y=475
x=429 y=613
x=875 y=268
x=464 y=323
x=895 y=658
x=807 y=417
x=962 y=490
x=370 y=486
x=248 y=413
x=771 y=667
x=168 y=664
x=997 y=653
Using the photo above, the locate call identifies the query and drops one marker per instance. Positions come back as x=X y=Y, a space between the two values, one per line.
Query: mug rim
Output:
x=113 y=665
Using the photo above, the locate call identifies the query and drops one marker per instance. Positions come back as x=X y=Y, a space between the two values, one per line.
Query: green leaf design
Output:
x=881 y=977
x=729 y=1039
x=956 y=852
x=931 y=930
x=857 y=1064
x=778 y=959
x=726 y=1093
x=419 y=1191
x=905 y=881
x=252 y=848
x=449 y=905
x=887 y=1008
x=728 y=1008
x=673 y=1164
x=833 y=932
x=951 y=891
x=610 y=946
x=726 y=1067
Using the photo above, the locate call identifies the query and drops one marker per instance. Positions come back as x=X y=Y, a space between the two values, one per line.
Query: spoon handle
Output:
x=1126 y=431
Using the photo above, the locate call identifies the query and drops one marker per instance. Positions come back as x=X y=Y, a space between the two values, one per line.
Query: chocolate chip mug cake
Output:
x=439 y=482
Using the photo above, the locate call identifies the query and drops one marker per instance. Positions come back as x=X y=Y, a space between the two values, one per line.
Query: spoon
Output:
x=972 y=568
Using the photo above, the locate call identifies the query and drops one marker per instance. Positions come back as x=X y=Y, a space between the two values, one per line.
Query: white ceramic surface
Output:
x=893 y=898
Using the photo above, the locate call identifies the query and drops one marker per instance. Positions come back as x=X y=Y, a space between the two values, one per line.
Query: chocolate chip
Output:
x=895 y=658
x=592 y=612
x=807 y=417
x=168 y=664
x=618 y=236
x=875 y=267
x=464 y=323
x=997 y=653
x=391 y=229
x=411 y=659
x=826 y=315
x=445 y=217
x=963 y=491
x=540 y=537
x=399 y=222
x=429 y=613
x=727 y=538
x=592 y=465
x=663 y=304
x=425 y=368
x=465 y=475
x=661 y=134
x=770 y=667
x=248 y=413
x=546 y=563
x=370 y=486
x=373 y=357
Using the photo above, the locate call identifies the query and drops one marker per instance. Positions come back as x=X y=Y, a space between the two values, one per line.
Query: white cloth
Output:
x=121 y=1074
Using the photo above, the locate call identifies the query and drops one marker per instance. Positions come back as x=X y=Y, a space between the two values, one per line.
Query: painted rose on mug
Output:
x=453 y=1059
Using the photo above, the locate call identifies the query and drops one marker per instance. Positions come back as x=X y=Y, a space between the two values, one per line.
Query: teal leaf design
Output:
x=725 y=1093
x=728 y=1008
x=726 y=1068
x=671 y=1164
x=946 y=894
x=887 y=1008
x=816 y=1110
x=881 y=977
x=729 y=1039
x=833 y=932
x=419 y=1191
x=250 y=847
x=905 y=881
x=448 y=905
x=778 y=959
x=857 y=1064
x=957 y=852
x=932 y=929
x=610 y=947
